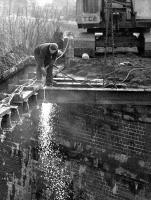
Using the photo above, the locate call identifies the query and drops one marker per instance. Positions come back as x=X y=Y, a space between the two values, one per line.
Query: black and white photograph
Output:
x=75 y=99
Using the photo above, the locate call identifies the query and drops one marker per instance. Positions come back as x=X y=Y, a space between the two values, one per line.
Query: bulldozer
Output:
x=107 y=25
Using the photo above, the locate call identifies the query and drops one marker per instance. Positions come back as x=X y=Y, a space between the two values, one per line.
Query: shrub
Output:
x=25 y=32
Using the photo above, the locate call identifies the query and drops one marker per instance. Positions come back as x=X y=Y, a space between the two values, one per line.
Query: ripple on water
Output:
x=55 y=175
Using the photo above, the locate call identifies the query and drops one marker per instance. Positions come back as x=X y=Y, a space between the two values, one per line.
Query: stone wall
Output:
x=115 y=141
x=106 y=149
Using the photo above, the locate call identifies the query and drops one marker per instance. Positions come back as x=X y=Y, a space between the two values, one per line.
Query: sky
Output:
x=143 y=9
x=43 y=2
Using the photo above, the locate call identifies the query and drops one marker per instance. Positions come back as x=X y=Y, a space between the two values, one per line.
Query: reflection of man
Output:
x=45 y=56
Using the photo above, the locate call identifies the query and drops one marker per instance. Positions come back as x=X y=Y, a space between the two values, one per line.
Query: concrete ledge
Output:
x=96 y=95
x=23 y=97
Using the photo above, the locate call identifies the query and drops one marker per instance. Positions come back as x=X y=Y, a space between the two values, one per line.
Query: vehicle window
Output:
x=90 y=6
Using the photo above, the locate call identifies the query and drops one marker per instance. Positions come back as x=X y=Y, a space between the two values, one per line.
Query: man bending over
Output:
x=45 y=56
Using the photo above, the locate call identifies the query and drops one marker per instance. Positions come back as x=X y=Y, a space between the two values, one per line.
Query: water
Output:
x=90 y=148
x=71 y=150
x=56 y=175
x=75 y=151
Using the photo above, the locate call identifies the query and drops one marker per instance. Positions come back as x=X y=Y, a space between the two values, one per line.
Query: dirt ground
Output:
x=127 y=69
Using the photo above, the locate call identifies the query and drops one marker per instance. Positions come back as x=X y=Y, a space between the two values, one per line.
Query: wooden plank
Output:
x=77 y=79
x=23 y=97
x=78 y=84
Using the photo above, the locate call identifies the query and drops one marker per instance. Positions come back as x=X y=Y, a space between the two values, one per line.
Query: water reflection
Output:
x=85 y=152
x=55 y=175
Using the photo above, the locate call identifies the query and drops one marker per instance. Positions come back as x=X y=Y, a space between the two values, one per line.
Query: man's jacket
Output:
x=42 y=53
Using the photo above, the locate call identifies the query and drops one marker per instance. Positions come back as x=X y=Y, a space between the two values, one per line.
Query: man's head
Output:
x=53 y=48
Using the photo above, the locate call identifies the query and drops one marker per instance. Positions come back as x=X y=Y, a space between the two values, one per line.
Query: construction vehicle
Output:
x=112 y=24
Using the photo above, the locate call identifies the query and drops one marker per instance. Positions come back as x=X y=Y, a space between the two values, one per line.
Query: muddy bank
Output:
x=131 y=69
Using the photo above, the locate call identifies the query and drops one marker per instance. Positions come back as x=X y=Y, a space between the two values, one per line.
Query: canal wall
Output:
x=113 y=141
x=17 y=68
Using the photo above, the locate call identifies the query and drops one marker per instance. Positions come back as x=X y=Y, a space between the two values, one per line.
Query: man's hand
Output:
x=43 y=70
x=59 y=53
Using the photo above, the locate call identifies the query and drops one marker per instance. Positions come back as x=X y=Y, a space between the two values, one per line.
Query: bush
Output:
x=25 y=32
